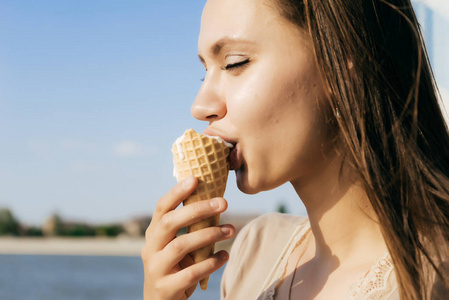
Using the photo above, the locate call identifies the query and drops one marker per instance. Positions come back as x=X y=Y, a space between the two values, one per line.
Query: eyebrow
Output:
x=216 y=48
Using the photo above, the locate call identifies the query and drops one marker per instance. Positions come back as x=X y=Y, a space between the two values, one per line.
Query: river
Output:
x=50 y=277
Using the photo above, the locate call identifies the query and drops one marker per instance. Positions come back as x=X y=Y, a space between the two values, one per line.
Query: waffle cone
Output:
x=205 y=158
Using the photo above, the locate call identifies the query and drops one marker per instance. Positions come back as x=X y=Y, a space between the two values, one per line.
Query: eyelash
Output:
x=233 y=66
x=236 y=65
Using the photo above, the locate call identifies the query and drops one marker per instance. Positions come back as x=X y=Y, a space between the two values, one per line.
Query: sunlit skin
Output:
x=263 y=92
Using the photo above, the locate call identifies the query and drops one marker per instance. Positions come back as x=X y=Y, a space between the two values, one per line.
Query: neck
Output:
x=342 y=219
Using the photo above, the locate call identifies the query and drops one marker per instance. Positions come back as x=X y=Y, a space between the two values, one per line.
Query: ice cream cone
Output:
x=206 y=158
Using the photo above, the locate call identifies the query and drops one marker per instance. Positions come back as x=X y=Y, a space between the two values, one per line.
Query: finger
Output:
x=169 y=225
x=180 y=247
x=173 y=198
x=190 y=276
x=190 y=290
x=186 y=262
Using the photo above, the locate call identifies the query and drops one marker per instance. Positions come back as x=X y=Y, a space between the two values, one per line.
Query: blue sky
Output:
x=92 y=96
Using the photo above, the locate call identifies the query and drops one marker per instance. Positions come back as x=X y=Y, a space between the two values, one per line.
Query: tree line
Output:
x=55 y=226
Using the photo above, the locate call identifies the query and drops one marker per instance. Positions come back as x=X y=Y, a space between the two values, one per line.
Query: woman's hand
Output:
x=170 y=272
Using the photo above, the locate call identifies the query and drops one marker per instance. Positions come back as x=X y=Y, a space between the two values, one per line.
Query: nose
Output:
x=208 y=105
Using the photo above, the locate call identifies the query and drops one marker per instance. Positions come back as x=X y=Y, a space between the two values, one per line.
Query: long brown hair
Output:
x=372 y=55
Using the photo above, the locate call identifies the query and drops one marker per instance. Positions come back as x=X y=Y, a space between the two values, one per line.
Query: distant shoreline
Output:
x=121 y=246
x=71 y=246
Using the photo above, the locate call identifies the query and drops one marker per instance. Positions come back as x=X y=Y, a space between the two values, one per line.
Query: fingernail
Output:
x=226 y=230
x=224 y=255
x=214 y=203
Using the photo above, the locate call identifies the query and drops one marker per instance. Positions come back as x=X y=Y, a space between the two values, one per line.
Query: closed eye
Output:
x=236 y=65
x=233 y=66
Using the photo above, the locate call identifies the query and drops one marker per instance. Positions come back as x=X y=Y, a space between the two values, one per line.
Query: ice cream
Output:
x=205 y=157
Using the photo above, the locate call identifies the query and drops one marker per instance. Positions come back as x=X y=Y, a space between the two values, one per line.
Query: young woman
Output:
x=337 y=98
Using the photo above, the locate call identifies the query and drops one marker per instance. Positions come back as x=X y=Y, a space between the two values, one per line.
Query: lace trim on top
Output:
x=374 y=285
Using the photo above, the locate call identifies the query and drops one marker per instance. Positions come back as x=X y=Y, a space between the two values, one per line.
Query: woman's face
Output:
x=262 y=92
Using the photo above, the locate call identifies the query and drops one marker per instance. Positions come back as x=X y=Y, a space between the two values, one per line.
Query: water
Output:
x=46 y=277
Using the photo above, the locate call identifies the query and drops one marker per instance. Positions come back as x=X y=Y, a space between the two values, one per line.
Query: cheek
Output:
x=276 y=117
x=273 y=104
x=250 y=101
x=259 y=96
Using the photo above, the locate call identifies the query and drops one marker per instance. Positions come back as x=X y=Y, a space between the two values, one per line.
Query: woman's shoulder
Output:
x=255 y=251
x=278 y=223
x=276 y=219
x=272 y=229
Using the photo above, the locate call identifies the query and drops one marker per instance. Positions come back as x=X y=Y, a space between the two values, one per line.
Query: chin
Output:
x=252 y=186
x=243 y=183
x=246 y=189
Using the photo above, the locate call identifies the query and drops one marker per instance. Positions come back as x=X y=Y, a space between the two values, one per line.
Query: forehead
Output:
x=236 y=19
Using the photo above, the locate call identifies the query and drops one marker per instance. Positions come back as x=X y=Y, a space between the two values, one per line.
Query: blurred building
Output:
x=433 y=16
x=136 y=227
x=425 y=17
x=52 y=225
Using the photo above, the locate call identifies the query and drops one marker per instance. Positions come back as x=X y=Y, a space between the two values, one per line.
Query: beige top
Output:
x=259 y=256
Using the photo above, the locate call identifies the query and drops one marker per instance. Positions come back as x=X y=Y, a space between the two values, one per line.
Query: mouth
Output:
x=234 y=158
x=235 y=161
